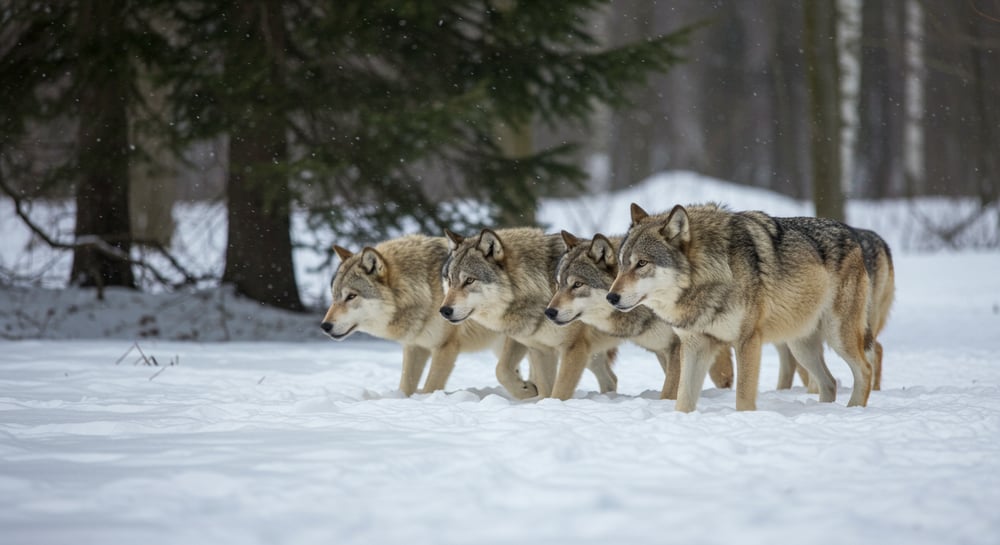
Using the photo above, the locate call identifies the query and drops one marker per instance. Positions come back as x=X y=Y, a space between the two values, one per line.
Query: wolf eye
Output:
x=468 y=281
x=350 y=296
x=640 y=263
x=577 y=285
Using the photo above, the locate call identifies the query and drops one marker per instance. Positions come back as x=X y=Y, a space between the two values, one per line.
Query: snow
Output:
x=300 y=441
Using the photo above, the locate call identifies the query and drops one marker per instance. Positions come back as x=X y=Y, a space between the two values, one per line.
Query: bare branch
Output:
x=102 y=246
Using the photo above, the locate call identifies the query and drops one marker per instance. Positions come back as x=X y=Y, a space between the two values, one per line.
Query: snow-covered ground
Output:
x=299 y=442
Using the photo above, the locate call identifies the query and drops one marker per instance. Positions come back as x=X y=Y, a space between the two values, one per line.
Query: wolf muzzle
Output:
x=614 y=298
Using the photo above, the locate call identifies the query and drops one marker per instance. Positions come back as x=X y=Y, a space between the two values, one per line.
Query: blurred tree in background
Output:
x=347 y=108
x=380 y=117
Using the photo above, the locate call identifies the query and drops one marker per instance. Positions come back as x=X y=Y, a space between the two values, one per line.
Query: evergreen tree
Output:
x=101 y=89
x=69 y=67
x=348 y=108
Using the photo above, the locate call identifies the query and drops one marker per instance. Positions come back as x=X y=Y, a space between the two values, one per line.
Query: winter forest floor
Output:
x=297 y=439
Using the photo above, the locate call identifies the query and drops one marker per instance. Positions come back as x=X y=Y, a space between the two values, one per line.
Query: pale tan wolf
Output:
x=392 y=291
x=745 y=278
x=583 y=277
x=878 y=262
x=503 y=280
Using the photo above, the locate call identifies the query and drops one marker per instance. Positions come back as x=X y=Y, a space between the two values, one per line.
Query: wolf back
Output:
x=745 y=278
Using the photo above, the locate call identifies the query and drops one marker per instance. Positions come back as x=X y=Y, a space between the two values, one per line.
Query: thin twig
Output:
x=134 y=344
x=143 y=354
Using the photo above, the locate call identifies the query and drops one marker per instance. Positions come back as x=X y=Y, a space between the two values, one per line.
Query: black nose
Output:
x=613 y=298
x=447 y=312
x=327 y=326
x=551 y=313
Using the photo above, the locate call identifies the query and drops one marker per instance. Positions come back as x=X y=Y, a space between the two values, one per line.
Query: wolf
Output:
x=503 y=280
x=583 y=276
x=391 y=291
x=882 y=276
x=744 y=278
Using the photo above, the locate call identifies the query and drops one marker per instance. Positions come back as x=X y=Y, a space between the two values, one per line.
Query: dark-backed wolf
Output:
x=878 y=262
x=745 y=278
x=503 y=280
x=392 y=291
x=583 y=277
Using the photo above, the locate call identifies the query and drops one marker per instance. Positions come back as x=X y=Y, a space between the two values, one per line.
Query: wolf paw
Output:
x=525 y=390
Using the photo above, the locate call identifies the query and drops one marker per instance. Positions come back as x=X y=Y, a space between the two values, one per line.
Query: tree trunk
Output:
x=517 y=207
x=102 y=194
x=822 y=78
x=849 y=28
x=913 y=133
x=987 y=116
x=259 y=250
x=632 y=128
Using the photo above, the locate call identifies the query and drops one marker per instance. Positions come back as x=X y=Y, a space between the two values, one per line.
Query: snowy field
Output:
x=296 y=441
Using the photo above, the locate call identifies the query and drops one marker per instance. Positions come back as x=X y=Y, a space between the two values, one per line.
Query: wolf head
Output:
x=653 y=262
x=583 y=277
x=362 y=299
x=474 y=278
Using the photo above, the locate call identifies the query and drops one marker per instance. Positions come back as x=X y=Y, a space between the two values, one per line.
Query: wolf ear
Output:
x=569 y=239
x=601 y=249
x=342 y=253
x=372 y=262
x=453 y=239
x=678 y=226
x=489 y=244
x=638 y=214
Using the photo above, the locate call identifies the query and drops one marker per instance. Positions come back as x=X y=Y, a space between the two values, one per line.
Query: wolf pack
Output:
x=692 y=285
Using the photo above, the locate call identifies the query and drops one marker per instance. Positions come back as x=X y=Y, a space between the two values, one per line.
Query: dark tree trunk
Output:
x=824 y=102
x=632 y=128
x=259 y=250
x=102 y=208
x=790 y=172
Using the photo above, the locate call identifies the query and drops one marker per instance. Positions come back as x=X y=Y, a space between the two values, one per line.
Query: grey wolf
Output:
x=583 y=277
x=392 y=291
x=503 y=280
x=881 y=274
x=744 y=278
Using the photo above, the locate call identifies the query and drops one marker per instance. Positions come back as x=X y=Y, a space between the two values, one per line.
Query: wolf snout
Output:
x=551 y=313
x=446 y=312
x=327 y=326
x=614 y=298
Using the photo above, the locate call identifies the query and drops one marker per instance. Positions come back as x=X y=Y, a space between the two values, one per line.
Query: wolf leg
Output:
x=876 y=359
x=786 y=367
x=811 y=385
x=600 y=365
x=697 y=354
x=544 y=362
x=808 y=351
x=847 y=330
x=442 y=363
x=747 y=372
x=414 y=360
x=721 y=371
x=572 y=360
x=850 y=345
x=507 y=373
x=670 y=361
